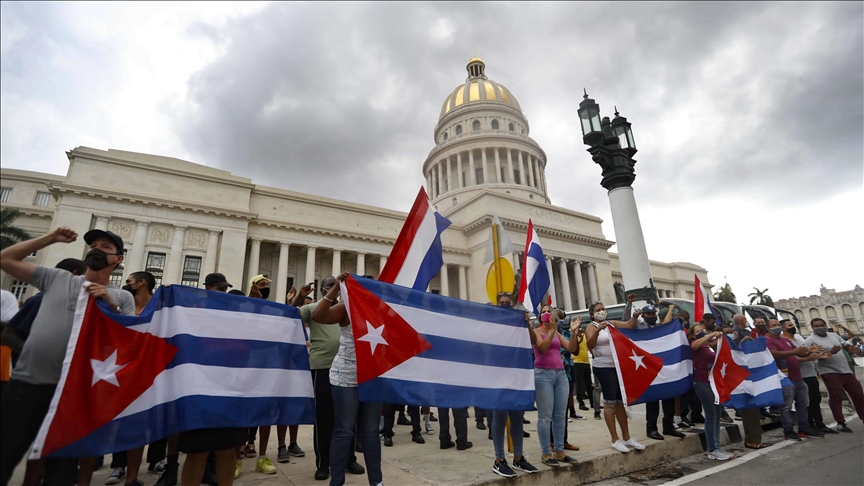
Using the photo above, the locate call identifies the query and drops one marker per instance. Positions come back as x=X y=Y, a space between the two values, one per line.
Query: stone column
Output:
x=337 y=262
x=498 y=176
x=510 y=167
x=361 y=264
x=438 y=170
x=381 y=263
x=551 y=282
x=310 y=264
x=530 y=170
x=449 y=174
x=463 y=283
x=592 y=283
x=565 y=285
x=174 y=265
x=472 y=174
x=281 y=275
x=523 y=173
x=485 y=172
x=445 y=281
x=135 y=262
x=254 y=260
x=580 y=286
x=102 y=223
x=210 y=258
x=429 y=188
x=459 y=183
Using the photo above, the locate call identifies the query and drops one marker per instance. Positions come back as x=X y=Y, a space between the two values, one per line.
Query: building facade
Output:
x=845 y=307
x=181 y=220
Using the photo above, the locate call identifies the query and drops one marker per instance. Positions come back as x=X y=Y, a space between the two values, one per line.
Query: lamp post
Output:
x=611 y=145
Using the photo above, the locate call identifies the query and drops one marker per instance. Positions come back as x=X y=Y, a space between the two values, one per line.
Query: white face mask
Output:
x=601 y=314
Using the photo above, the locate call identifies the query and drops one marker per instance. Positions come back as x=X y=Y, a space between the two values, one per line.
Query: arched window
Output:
x=831 y=312
x=512 y=128
x=799 y=315
x=445 y=135
x=475 y=126
x=847 y=311
x=814 y=313
x=494 y=124
x=458 y=129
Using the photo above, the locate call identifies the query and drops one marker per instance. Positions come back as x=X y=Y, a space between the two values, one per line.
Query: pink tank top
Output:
x=551 y=359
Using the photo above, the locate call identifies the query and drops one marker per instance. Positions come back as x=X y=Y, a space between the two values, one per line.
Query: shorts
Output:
x=608 y=379
x=211 y=440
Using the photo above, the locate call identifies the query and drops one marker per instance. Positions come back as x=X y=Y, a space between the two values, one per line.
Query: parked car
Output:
x=728 y=309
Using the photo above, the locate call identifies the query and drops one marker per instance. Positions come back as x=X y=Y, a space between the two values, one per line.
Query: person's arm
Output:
x=290 y=297
x=631 y=324
x=573 y=343
x=302 y=294
x=698 y=343
x=327 y=313
x=593 y=332
x=668 y=318
x=543 y=346
x=10 y=338
x=531 y=334
x=12 y=258
x=569 y=344
x=778 y=354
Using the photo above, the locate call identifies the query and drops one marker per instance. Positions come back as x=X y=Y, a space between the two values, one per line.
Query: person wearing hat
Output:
x=37 y=372
x=259 y=287
x=648 y=320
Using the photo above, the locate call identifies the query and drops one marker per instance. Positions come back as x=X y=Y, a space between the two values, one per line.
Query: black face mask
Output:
x=128 y=288
x=651 y=321
x=505 y=304
x=265 y=292
x=96 y=260
x=791 y=330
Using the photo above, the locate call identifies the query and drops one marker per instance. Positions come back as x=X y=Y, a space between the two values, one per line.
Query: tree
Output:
x=760 y=297
x=9 y=234
x=725 y=294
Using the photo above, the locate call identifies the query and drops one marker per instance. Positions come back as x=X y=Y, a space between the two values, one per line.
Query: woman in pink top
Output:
x=552 y=386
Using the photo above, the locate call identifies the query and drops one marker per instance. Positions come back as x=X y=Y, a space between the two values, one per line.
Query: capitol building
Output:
x=181 y=220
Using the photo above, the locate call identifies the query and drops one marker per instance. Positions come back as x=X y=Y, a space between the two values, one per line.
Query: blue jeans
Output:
x=551 y=396
x=499 y=421
x=712 y=414
x=349 y=413
x=800 y=394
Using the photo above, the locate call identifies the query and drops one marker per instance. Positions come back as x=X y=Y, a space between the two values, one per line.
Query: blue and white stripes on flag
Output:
x=535 y=274
x=480 y=356
x=764 y=386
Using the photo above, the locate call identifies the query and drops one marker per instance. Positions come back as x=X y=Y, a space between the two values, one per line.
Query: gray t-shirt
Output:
x=808 y=368
x=41 y=360
x=837 y=362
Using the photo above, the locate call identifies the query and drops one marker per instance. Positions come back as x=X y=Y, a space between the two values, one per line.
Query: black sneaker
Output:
x=388 y=441
x=526 y=421
x=526 y=434
x=402 y=420
x=843 y=428
x=828 y=430
x=502 y=469
x=792 y=437
x=282 y=455
x=418 y=439
x=358 y=447
x=461 y=446
x=815 y=433
x=322 y=474
x=582 y=406
x=596 y=415
x=355 y=468
x=481 y=425
x=490 y=434
x=169 y=476
x=432 y=417
x=446 y=444
x=697 y=419
x=524 y=466
x=137 y=482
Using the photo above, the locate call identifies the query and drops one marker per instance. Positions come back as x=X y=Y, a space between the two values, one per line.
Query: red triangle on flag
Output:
x=726 y=373
x=637 y=368
x=382 y=338
x=112 y=366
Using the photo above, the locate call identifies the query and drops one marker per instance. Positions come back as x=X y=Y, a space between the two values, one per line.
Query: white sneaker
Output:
x=116 y=475
x=620 y=446
x=719 y=455
x=632 y=443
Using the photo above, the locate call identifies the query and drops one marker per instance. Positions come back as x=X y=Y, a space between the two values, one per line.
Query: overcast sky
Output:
x=749 y=117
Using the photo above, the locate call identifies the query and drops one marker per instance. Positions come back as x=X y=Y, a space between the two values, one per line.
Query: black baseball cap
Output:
x=92 y=235
x=216 y=280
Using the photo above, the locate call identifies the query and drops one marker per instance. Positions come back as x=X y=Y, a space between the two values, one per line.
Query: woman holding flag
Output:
x=607 y=376
x=702 y=345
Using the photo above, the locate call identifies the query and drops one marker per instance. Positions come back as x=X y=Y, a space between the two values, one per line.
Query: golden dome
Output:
x=476 y=91
x=475 y=59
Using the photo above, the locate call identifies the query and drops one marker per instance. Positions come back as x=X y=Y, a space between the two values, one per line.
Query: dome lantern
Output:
x=476 y=68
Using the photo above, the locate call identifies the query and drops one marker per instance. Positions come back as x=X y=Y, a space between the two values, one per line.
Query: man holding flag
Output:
x=31 y=389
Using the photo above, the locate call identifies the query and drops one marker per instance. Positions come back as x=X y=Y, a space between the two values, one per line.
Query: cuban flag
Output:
x=652 y=364
x=746 y=376
x=701 y=304
x=419 y=348
x=194 y=359
x=535 y=274
x=417 y=255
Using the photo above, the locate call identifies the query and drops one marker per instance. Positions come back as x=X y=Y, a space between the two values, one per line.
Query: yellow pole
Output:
x=499 y=286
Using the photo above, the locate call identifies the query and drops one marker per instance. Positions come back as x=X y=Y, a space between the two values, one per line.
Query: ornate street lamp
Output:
x=612 y=146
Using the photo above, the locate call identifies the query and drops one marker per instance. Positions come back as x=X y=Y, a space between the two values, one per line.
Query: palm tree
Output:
x=9 y=234
x=725 y=294
x=761 y=297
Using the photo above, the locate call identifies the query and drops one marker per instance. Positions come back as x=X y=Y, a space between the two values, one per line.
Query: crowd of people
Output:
x=573 y=364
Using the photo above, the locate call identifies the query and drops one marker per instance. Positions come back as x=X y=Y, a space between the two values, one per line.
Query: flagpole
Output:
x=498 y=286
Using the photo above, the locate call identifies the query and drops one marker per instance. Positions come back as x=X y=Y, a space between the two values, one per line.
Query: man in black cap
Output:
x=648 y=320
x=29 y=393
x=216 y=281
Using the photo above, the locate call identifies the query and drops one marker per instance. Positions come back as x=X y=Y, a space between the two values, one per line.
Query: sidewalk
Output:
x=410 y=464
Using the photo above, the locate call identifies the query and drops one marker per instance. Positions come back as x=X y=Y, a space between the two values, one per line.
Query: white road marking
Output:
x=737 y=462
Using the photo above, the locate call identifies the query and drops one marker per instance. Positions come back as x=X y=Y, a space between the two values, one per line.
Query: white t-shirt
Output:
x=602 y=350
x=8 y=306
x=808 y=368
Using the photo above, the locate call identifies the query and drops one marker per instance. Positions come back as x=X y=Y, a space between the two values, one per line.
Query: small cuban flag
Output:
x=535 y=274
x=424 y=349
x=193 y=359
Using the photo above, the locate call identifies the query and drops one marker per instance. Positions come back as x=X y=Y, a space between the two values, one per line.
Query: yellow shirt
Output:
x=582 y=357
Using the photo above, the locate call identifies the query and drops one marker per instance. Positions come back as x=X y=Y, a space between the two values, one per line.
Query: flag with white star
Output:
x=746 y=376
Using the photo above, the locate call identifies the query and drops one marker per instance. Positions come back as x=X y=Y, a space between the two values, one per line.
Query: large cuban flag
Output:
x=417 y=255
x=535 y=274
x=652 y=364
x=194 y=359
x=419 y=348
x=746 y=376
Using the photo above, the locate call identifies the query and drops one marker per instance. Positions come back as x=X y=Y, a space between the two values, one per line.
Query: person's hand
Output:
x=836 y=349
x=601 y=326
x=291 y=294
x=815 y=348
x=341 y=277
x=100 y=292
x=716 y=334
x=307 y=289
x=631 y=298
x=637 y=312
x=802 y=352
x=576 y=325
x=309 y=344
x=527 y=317
x=745 y=338
x=63 y=234
x=824 y=355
